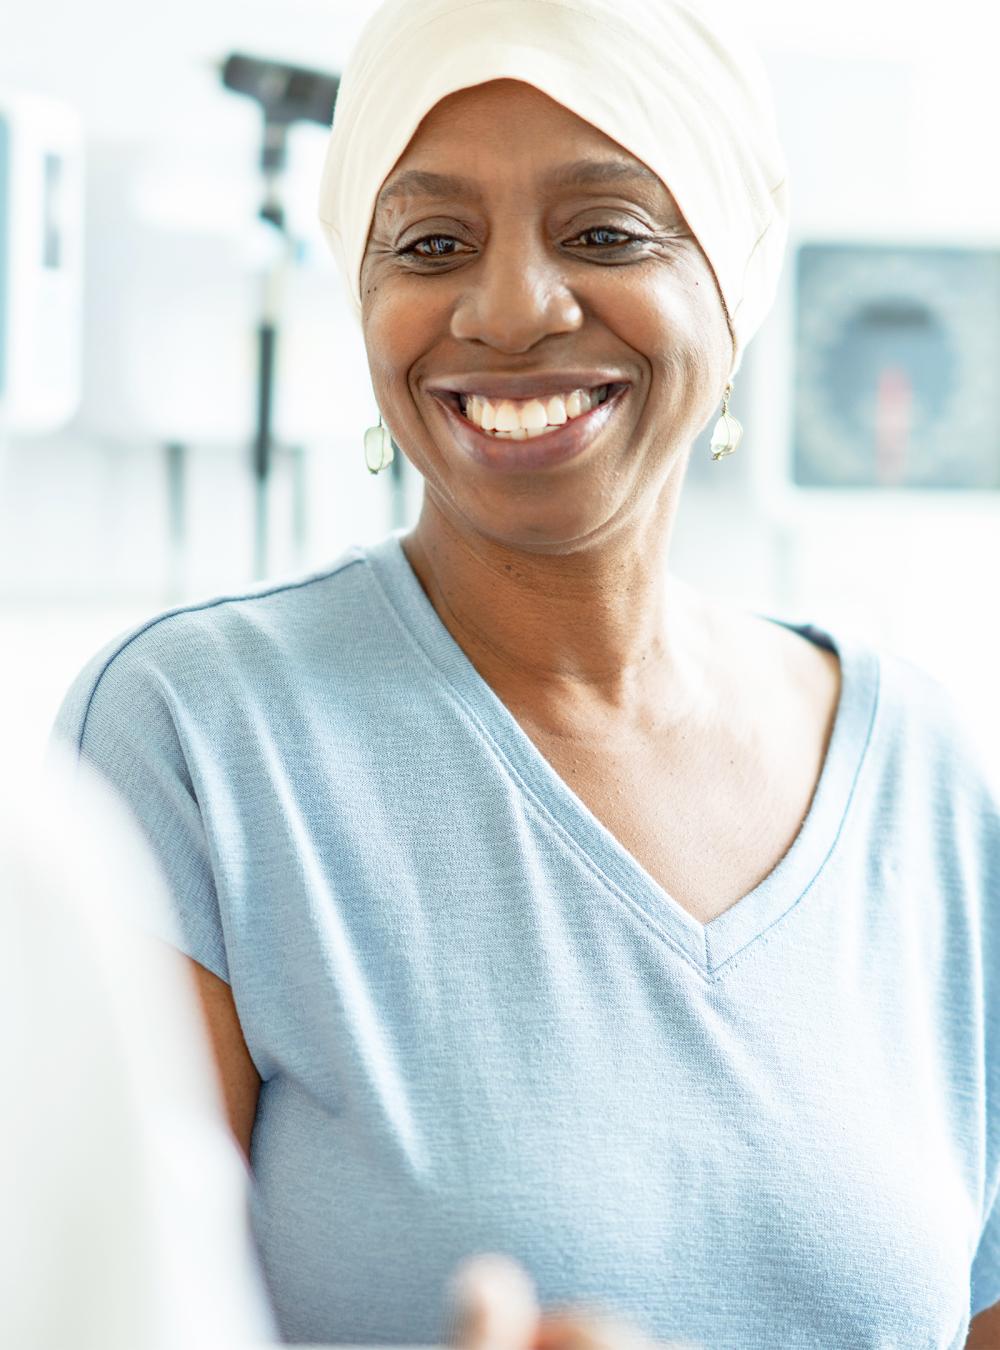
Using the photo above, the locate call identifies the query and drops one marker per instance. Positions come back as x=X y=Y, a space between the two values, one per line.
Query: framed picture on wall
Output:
x=897 y=367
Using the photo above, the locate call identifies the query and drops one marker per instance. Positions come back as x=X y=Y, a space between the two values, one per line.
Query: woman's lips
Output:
x=551 y=447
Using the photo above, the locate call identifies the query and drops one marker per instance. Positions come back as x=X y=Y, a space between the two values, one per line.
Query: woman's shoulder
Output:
x=933 y=754
x=929 y=718
x=919 y=726
x=206 y=644
x=929 y=764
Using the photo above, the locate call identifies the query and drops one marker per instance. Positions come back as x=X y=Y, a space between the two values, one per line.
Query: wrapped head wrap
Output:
x=674 y=82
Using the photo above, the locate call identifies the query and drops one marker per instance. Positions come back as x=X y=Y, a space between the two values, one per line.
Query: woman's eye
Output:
x=630 y=240
x=411 y=249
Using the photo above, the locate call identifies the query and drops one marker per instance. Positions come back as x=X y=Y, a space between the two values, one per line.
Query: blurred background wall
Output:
x=144 y=499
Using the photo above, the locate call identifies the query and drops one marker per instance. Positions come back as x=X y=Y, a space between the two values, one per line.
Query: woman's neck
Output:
x=605 y=629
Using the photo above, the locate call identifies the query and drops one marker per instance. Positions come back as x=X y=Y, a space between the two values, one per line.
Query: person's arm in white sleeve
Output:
x=125 y=1214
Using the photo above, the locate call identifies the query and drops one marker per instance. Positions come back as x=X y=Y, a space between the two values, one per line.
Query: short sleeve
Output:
x=120 y=716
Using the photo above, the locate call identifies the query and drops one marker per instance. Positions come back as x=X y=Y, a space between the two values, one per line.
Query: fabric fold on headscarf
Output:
x=677 y=84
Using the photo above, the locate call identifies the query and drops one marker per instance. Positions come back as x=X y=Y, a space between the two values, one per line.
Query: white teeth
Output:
x=555 y=411
x=507 y=418
x=534 y=416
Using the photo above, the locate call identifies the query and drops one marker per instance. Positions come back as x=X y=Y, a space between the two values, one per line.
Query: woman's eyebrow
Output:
x=422 y=183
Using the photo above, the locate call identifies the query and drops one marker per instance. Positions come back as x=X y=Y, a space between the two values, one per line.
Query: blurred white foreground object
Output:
x=124 y=1199
x=41 y=263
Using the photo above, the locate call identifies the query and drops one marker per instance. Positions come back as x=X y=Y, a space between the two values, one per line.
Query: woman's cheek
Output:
x=392 y=325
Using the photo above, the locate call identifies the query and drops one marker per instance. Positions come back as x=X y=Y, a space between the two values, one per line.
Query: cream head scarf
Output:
x=674 y=82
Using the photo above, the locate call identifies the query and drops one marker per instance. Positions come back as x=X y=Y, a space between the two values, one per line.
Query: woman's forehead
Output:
x=497 y=109
x=550 y=146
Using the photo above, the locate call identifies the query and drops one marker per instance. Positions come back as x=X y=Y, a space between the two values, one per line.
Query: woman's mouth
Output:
x=530 y=433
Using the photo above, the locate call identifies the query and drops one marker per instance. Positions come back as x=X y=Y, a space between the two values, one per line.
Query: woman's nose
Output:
x=515 y=298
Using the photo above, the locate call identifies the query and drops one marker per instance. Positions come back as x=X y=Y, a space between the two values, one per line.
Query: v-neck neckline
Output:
x=709 y=946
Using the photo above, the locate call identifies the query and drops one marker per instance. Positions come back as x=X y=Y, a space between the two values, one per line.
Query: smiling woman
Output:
x=549 y=908
x=596 y=269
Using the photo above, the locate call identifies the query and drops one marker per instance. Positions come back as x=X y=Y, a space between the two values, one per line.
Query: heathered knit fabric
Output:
x=481 y=1025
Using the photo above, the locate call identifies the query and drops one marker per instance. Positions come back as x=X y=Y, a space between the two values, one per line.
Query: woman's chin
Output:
x=531 y=525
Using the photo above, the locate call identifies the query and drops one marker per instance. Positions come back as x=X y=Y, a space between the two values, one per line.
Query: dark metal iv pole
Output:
x=286 y=94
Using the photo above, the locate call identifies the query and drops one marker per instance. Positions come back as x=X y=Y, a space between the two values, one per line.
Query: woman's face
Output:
x=516 y=273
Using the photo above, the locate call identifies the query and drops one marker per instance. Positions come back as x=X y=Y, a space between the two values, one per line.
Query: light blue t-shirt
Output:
x=482 y=1026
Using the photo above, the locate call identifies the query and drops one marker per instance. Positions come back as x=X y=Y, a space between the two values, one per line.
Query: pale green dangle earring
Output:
x=728 y=431
x=378 y=447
